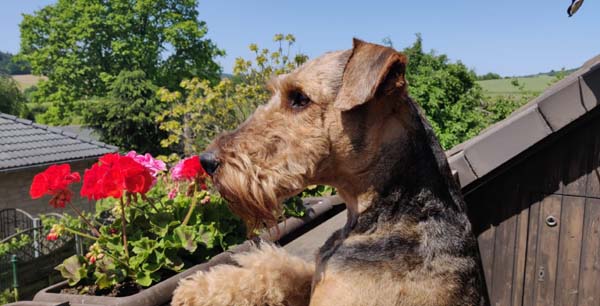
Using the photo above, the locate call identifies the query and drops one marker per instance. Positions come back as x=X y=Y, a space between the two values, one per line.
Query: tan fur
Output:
x=266 y=160
x=267 y=276
x=359 y=106
x=361 y=288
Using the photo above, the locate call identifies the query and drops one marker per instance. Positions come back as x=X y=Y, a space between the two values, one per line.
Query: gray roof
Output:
x=563 y=103
x=24 y=144
x=82 y=131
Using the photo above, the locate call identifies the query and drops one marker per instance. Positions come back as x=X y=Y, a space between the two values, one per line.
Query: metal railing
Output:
x=16 y=225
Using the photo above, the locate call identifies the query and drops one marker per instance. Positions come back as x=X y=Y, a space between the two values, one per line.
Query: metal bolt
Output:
x=551 y=221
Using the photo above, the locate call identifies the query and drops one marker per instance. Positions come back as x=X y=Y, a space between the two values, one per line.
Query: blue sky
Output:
x=508 y=37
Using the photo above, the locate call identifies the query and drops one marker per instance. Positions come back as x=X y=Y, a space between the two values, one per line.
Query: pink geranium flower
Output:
x=173 y=193
x=153 y=165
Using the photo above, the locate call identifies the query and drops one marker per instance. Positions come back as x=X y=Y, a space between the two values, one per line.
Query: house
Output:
x=27 y=148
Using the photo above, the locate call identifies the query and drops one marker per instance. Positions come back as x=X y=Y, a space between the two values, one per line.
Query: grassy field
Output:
x=26 y=80
x=531 y=85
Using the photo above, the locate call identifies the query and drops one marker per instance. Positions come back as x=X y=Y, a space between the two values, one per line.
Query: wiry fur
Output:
x=266 y=276
x=264 y=161
x=407 y=240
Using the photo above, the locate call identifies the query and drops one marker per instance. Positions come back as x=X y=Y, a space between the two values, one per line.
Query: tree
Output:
x=81 y=46
x=10 y=66
x=127 y=116
x=489 y=76
x=448 y=93
x=204 y=110
x=12 y=100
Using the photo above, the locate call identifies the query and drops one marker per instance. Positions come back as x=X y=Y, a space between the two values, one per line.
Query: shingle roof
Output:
x=563 y=103
x=24 y=143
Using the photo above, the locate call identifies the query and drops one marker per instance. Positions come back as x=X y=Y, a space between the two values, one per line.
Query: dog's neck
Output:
x=417 y=184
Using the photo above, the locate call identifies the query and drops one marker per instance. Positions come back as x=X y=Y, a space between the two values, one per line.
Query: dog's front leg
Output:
x=266 y=276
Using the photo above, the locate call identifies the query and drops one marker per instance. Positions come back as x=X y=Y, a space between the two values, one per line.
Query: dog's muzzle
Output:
x=209 y=162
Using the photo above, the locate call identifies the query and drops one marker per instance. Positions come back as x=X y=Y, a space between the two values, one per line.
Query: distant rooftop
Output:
x=26 y=144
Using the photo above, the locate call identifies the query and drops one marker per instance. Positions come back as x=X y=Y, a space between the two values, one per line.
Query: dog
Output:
x=344 y=119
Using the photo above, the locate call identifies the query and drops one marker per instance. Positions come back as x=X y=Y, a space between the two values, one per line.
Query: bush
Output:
x=7 y=296
x=14 y=244
x=203 y=110
x=489 y=76
x=12 y=101
x=448 y=93
x=127 y=116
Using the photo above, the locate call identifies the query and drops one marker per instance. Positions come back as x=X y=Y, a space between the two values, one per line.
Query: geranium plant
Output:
x=150 y=223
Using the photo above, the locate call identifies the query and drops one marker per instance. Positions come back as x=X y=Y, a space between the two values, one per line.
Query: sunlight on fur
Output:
x=266 y=275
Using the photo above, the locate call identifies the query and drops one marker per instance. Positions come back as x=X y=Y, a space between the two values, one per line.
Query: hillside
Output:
x=26 y=80
x=530 y=85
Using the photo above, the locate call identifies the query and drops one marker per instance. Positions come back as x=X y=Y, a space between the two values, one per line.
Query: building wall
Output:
x=538 y=224
x=14 y=190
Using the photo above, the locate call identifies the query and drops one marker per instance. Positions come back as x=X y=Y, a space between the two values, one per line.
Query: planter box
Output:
x=320 y=209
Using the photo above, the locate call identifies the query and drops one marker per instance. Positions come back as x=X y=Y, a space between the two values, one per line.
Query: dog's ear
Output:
x=370 y=69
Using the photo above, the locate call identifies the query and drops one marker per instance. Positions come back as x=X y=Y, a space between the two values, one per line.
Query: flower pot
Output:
x=320 y=209
x=159 y=294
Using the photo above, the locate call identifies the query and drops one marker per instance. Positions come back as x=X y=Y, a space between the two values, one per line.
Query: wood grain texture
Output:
x=569 y=253
x=526 y=261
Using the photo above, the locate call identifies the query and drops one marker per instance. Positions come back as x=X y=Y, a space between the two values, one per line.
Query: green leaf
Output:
x=108 y=273
x=187 y=235
x=73 y=269
x=143 y=246
x=143 y=278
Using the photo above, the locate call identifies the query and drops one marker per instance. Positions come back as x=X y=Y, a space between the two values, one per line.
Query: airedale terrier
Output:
x=344 y=119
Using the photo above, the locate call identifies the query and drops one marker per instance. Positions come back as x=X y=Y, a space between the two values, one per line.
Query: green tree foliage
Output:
x=489 y=76
x=204 y=110
x=501 y=106
x=82 y=45
x=127 y=116
x=10 y=66
x=12 y=101
x=448 y=93
x=7 y=296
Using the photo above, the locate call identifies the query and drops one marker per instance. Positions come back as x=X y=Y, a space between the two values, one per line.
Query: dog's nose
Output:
x=209 y=162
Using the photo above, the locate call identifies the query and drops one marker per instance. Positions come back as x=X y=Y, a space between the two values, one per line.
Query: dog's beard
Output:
x=254 y=194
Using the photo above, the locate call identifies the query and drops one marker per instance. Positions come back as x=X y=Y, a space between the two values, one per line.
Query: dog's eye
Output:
x=298 y=99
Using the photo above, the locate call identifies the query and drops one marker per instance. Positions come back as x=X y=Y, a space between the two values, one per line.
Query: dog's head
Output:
x=324 y=124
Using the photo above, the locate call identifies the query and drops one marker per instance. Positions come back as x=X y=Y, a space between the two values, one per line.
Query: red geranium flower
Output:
x=54 y=181
x=188 y=169
x=191 y=168
x=137 y=178
x=101 y=181
x=113 y=175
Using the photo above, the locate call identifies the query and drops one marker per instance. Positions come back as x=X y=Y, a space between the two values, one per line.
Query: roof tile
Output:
x=590 y=87
x=562 y=103
x=40 y=126
x=23 y=143
x=498 y=145
x=24 y=121
x=459 y=163
x=7 y=116
x=69 y=134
